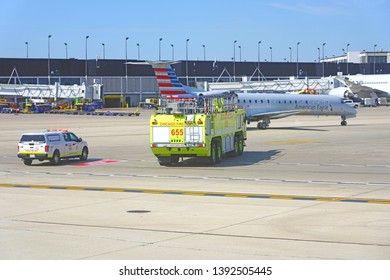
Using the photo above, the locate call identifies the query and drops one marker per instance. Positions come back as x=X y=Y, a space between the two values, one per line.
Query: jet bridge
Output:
x=283 y=85
x=50 y=91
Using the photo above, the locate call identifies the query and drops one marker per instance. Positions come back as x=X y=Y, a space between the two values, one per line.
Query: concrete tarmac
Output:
x=306 y=188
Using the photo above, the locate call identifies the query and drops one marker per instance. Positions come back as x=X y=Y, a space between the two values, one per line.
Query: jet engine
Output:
x=342 y=92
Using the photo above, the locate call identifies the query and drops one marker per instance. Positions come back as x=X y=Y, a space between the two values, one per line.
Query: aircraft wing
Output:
x=364 y=91
x=211 y=93
x=275 y=114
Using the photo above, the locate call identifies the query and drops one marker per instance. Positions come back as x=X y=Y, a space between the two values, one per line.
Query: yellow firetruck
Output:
x=208 y=128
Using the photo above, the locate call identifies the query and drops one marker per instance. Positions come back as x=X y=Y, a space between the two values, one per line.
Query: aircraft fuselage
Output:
x=266 y=106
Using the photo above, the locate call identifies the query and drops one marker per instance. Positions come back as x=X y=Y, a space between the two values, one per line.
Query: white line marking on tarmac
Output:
x=150 y=176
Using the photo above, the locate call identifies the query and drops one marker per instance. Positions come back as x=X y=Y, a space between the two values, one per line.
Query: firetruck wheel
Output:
x=218 y=152
x=236 y=144
x=214 y=154
x=174 y=159
x=164 y=161
x=27 y=162
x=240 y=145
x=56 y=158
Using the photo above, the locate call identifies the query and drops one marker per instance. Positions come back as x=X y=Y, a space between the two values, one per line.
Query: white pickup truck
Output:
x=51 y=145
x=351 y=103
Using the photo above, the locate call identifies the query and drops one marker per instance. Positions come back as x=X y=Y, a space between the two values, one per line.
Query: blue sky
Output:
x=279 y=24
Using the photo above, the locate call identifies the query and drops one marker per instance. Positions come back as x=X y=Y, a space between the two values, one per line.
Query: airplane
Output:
x=363 y=86
x=260 y=107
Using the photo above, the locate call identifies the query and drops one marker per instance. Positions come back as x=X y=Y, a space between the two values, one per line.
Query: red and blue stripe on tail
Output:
x=168 y=82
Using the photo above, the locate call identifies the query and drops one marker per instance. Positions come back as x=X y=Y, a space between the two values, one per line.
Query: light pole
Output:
x=48 y=58
x=159 y=48
x=26 y=49
x=374 y=56
x=86 y=60
x=138 y=51
x=319 y=54
x=204 y=52
x=290 y=54
x=298 y=60
x=234 y=60
x=323 y=59
x=347 y=59
x=187 y=60
x=270 y=48
x=104 y=50
x=258 y=59
x=239 y=47
x=173 y=52
x=126 y=39
x=66 y=50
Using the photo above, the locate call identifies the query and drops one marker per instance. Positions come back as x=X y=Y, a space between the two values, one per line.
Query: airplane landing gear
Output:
x=264 y=124
x=343 y=122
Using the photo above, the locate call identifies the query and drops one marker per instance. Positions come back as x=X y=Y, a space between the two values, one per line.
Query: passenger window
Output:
x=53 y=138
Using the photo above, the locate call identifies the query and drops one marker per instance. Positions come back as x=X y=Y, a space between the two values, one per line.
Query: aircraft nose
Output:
x=350 y=110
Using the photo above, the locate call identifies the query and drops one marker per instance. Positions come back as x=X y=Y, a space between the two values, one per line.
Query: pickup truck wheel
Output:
x=84 y=154
x=27 y=162
x=56 y=158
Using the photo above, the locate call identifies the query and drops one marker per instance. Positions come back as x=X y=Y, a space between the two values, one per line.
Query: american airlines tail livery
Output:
x=170 y=86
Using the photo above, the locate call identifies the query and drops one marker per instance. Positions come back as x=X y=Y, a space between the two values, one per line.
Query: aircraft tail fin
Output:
x=167 y=81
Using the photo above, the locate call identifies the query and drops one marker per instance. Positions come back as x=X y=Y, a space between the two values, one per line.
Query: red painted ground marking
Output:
x=99 y=162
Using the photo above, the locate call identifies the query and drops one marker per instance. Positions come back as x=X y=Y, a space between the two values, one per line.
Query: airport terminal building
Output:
x=135 y=82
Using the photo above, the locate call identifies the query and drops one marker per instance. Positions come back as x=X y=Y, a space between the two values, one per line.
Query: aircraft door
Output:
x=324 y=106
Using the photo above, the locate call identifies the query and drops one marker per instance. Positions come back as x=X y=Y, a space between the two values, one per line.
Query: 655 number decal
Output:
x=177 y=131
